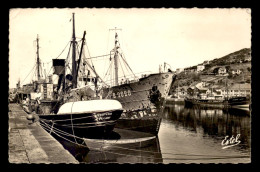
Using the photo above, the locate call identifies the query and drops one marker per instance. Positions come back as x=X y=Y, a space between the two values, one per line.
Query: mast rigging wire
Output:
x=28 y=74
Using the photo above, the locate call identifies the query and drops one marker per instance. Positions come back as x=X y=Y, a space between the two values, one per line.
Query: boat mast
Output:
x=116 y=55
x=38 y=59
x=74 y=79
x=80 y=54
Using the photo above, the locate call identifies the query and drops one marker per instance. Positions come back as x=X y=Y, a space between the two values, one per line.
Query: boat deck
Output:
x=30 y=143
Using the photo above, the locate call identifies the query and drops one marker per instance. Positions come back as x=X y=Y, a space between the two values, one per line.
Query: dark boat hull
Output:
x=143 y=101
x=87 y=125
x=231 y=102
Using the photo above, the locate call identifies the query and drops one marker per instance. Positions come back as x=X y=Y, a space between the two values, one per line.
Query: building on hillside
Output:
x=180 y=92
x=236 y=71
x=202 y=93
x=189 y=70
x=237 y=90
x=179 y=70
x=205 y=62
x=222 y=71
x=200 y=68
x=248 y=59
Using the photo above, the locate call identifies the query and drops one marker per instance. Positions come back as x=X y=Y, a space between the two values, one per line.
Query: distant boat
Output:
x=174 y=99
x=220 y=103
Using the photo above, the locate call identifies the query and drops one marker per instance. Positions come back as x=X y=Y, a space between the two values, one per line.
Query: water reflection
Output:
x=187 y=135
x=215 y=123
x=148 y=152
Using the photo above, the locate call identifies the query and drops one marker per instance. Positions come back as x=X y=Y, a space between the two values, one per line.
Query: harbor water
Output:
x=187 y=135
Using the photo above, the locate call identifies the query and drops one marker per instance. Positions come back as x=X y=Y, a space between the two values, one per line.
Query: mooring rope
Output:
x=204 y=157
x=104 y=123
x=72 y=121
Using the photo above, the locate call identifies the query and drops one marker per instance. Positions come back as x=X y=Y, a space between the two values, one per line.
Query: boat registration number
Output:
x=102 y=116
x=121 y=94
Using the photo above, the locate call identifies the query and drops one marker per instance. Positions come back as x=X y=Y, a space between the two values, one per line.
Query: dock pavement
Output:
x=29 y=143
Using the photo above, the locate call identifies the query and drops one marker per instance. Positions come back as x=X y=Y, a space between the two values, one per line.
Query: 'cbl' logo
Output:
x=229 y=142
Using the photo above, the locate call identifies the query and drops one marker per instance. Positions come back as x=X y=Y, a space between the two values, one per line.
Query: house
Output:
x=214 y=92
x=205 y=62
x=200 y=68
x=180 y=91
x=189 y=70
x=179 y=70
x=202 y=92
x=236 y=71
x=237 y=90
x=222 y=71
x=248 y=59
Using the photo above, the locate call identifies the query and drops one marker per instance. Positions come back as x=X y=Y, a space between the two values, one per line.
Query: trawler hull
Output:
x=91 y=119
x=85 y=125
x=143 y=101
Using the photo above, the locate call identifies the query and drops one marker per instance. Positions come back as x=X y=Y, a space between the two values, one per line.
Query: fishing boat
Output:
x=75 y=110
x=239 y=101
x=142 y=98
x=84 y=119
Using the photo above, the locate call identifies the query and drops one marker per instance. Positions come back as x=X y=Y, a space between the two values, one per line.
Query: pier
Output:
x=30 y=143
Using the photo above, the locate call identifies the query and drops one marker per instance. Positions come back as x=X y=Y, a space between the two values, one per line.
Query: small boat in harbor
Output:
x=219 y=103
x=174 y=99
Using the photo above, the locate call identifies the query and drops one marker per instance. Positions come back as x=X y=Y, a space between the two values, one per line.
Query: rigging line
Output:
x=122 y=68
x=70 y=140
x=61 y=53
x=98 y=56
x=127 y=63
x=107 y=54
x=58 y=130
x=68 y=58
x=33 y=75
x=108 y=70
x=47 y=128
x=93 y=69
x=88 y=52
x=126 y=66
x=72 y=122
x=63 y=50
x=29 y=73
x=54 y=130
x=111 y=73
x=96 y=73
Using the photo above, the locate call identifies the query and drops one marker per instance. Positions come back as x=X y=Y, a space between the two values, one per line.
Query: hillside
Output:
x=239 y=60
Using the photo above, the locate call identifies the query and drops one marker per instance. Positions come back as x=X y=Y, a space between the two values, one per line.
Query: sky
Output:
x=149 y=37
